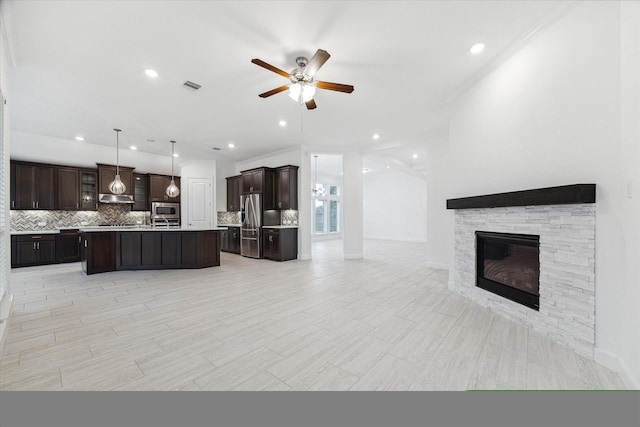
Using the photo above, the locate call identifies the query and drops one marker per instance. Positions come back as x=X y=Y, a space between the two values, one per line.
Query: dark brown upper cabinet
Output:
x=140 y=192
x=107 y=173
x=157 y=188
x=77 y=189
x=262 y=181
x=287 y=187
x=234 y=190
x=32 y=186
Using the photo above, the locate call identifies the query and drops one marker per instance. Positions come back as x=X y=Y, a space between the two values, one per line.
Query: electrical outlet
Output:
x=42 y=224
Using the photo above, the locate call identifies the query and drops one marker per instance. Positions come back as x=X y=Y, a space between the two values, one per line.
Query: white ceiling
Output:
x=78 y=69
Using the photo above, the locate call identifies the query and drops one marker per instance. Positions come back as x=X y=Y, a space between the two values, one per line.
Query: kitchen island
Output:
x=144 y=248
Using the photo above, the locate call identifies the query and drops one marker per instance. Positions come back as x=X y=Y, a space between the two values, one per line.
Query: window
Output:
x=326 y=211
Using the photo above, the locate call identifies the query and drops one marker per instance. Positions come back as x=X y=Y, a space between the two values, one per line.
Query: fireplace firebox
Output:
x=509 y=265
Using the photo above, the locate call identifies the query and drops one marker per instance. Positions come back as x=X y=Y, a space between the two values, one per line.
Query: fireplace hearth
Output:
x=509 y=265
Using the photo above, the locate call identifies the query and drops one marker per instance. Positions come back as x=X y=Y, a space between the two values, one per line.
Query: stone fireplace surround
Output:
x=564 y=218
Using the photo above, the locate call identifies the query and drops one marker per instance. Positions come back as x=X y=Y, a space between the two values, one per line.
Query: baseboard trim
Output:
x=436 y=265
x=6 y=305
x=615 y=363
x=304 y=257
x=352 y=256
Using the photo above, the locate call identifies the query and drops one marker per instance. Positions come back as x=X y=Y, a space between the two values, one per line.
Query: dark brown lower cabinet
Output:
x=98 y=252
x=33 y=249
x=231 y=240
x=68 y=246
x=157 y=250
x=280 y=244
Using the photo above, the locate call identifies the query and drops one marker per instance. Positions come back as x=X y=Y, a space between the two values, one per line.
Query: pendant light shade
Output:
x=117 y=186
x=172 y=190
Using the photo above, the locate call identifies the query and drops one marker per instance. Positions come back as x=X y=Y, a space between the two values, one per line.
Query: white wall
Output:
x=439 y=220
x=5 y=240
x=394 y=206
x=47 y=149
x=630 y=124
x=551 y=115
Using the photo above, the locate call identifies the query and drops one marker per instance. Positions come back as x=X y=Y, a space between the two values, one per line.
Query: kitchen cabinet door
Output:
x=88 y=190
x=140 y=192
x=107 y=173
x=68 y=189
x=234 y=184
x=157 y=188
x=287 y=187
x=253 y=181
x=34 y=187
x=68 y=246
x=129 y=250
x=34 y=249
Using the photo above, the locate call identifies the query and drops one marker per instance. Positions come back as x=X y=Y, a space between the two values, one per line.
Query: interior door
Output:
x=199 y=203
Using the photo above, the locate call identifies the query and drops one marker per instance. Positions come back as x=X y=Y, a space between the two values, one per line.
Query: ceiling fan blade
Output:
x=311 y=104
x=270 y=67
x=317 y=60
x=334 y=86
x=274 y=91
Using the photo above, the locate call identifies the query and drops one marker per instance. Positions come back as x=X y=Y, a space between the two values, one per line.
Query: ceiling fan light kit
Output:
x=303 y=87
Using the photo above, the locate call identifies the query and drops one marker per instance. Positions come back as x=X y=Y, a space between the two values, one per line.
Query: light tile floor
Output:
x=382 y=323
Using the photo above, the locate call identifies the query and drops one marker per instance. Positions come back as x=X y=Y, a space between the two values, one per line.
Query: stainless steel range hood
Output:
x=116 y=198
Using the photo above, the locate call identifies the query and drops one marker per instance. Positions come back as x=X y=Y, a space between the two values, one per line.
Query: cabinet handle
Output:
x=37 y=204
x=77 y=205
x=85 y=243
x=34 y=246
x=38 y=245
x=36 y=237
x=271 y=238
x=79 y=239
x=33 y=204
x=13 y=204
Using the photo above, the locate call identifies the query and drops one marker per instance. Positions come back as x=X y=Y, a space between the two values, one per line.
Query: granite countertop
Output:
x=230 y=225
x=279 y=226
x=17 y=233
x=148 y=228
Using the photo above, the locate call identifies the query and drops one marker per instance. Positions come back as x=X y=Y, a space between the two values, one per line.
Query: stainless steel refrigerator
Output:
x=251 y=240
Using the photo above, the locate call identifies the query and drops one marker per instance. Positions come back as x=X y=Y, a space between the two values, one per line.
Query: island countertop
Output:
x=147 y=228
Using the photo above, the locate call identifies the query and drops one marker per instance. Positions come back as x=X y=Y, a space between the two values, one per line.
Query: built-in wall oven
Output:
x=165 y=213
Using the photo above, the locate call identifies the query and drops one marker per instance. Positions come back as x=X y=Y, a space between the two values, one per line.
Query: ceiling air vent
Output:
x=216 y=148
x=192 y=85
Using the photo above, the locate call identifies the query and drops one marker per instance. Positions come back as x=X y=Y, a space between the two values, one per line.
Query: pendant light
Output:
x=172 y=190
x=117 y=186
x=315 y=190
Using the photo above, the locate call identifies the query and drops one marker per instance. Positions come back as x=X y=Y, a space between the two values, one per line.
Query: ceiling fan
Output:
x=303 y=86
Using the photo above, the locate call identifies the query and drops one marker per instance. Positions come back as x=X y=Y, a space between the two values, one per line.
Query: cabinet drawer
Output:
x=35 y=237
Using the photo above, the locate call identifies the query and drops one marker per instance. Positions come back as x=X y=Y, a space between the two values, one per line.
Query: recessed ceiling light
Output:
x=282 y=123
x=151 y=140
x=151 y=73
x=388 y=167
x=365 y=170
x=231 y=145
x=376 y=136
x=176 y=155
x=79 y=138
x=477 y=48
x=133 y=147
x=415 y=156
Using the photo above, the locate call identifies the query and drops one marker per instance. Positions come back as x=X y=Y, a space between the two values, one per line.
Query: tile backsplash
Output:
x=228 y=217
x=106 y=214
x=288 y=217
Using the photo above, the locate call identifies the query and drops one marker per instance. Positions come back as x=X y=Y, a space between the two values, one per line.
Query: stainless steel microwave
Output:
x=163 y=212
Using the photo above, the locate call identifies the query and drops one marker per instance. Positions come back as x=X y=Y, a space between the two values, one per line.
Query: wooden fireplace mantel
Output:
x=562 y=195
